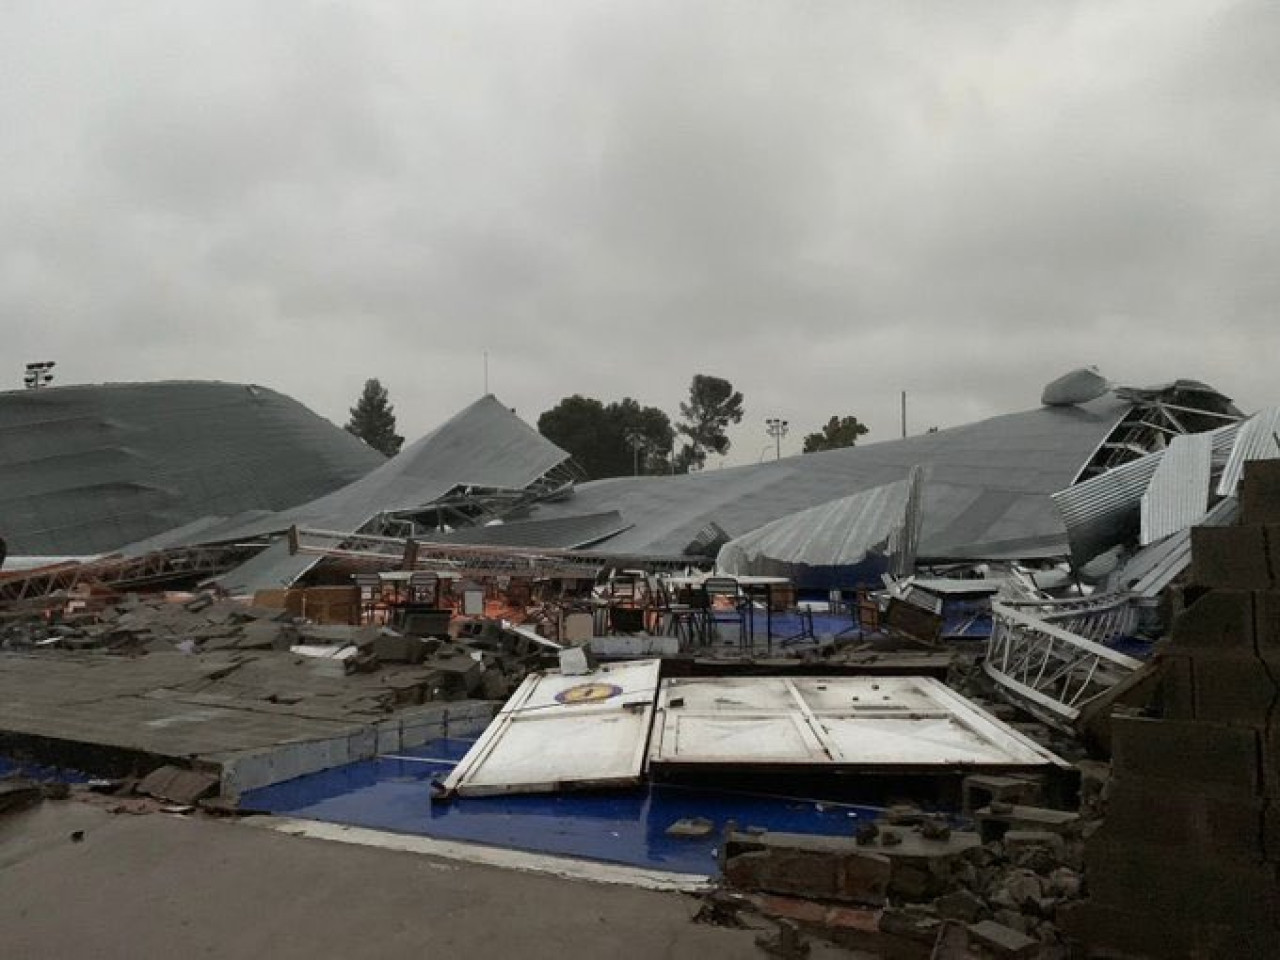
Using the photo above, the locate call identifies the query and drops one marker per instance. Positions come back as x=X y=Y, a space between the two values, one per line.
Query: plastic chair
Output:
x=726 y=589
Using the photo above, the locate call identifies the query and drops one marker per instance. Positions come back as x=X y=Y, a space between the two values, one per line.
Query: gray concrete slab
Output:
x=214 y=709
x=161 y=886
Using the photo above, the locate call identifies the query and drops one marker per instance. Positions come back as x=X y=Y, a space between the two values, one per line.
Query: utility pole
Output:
x=904 y=414
x=776 y=428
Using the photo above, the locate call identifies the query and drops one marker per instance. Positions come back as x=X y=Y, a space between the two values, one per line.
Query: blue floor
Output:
x=39 y=772
x=626 y=827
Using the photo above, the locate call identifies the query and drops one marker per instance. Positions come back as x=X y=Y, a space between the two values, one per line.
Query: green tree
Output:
x=839 y=432
x=610 y=440
x=713 y=405
x=373 y=420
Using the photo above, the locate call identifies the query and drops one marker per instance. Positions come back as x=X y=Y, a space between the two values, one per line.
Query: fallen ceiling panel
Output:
x=560 y=732
x=886 y=724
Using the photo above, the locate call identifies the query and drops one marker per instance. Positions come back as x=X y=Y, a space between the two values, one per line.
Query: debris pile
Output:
x=487 y=661
x=910 y=883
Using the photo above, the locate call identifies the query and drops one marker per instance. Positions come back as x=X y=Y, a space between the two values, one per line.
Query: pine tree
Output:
x=713 y=405
x=373 y=420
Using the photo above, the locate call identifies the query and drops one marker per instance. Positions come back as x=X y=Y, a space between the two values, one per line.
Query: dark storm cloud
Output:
x=825 y=202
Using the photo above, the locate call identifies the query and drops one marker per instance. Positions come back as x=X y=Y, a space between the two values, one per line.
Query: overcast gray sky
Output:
x=824 y=202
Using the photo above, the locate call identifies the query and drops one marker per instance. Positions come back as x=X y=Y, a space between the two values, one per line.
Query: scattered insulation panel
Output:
x=891 y=724
x=565 y=733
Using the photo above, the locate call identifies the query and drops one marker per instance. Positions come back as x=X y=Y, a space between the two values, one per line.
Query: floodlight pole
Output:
x=39 y=373
x=776 y=428
x=637 y=441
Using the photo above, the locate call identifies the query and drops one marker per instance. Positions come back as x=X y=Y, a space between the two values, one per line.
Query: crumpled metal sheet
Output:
x=883 y=521
x=1178 y=494
x=1259 y=439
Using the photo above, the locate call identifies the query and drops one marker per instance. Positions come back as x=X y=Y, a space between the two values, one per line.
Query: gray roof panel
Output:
x=987 y=486
x=87 y=469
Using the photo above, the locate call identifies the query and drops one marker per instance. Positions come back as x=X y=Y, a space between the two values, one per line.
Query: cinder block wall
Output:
x=1186 y=864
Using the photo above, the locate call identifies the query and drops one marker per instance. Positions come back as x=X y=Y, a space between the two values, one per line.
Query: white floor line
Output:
x=568 y=868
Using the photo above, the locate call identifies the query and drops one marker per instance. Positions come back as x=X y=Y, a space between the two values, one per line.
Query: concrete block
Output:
x=178 y=785
x=1234 y=691
x=1177 y=697
x=1271 y=831
x=1266 y=627
x=395 y=648
x=1160 y=936
x=994 y=826
x=1221 y=620
x=1022 y=839
x=963 y=905
x=1003 y=941
x=1183 y=882
x=1260 y=493
x=1211 y=755
x=1271 y=759
x=1231 y=557
x=980 y=789
x=1149 y=812
x=826 y=868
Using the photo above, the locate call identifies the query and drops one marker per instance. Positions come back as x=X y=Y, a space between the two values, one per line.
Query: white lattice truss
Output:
x=1050 y=657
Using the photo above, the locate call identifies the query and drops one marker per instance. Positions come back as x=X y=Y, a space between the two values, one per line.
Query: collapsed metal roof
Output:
x=880 y=524
x=986 y=493
x=987 y=487
x=485 y=447
x=87 y=469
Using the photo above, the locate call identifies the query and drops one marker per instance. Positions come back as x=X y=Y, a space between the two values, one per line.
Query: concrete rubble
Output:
x=211 y=688
x=901 y=885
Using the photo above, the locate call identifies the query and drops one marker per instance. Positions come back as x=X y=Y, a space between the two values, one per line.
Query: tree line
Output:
x=621 y=437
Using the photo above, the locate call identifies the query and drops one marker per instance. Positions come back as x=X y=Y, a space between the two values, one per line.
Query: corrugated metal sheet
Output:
x=842 y=533
x=1178 y=494
x=561 y=533
x=1149 y=571
x=88 y=469
x=1259 y=439
x=1105 y=510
